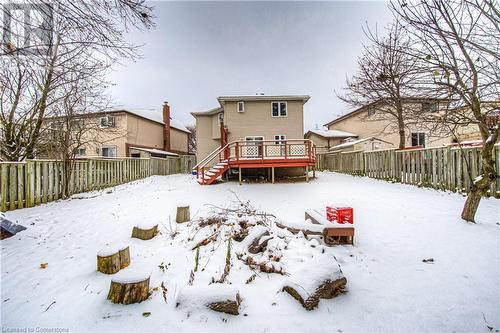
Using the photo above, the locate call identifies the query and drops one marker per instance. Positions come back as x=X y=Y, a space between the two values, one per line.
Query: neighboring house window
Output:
x=279 y=109
x=107 y=121
x=279 y=138
x=241 y=106
x=429 y=107
x=371 y=110
x=418 y=139
x=80 y=152
x=78 y=124
x=108 y=151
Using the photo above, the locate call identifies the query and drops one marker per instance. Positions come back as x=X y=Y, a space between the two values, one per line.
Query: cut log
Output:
x=228 y=306
x=144 y=233
x=129 y=286
x=111 y=259
x=259 y=243
x=217 y=297
x=182 y=214
x=328 y=289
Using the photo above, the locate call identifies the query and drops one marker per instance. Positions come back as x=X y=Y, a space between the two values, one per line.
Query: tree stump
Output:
x=129 y=286
x=111 y=259
x=182 y=214
x=144 y=233
x=124 y=257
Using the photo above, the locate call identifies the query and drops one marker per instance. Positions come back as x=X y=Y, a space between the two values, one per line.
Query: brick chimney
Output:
x=166 y=127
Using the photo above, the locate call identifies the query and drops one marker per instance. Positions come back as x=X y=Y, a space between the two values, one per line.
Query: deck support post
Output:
x=307 y=173
x=272 y=175
x=239 y=174
x=314 y=172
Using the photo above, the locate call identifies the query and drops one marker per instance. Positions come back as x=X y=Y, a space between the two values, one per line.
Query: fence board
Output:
x=441 y=168
x=30 y=183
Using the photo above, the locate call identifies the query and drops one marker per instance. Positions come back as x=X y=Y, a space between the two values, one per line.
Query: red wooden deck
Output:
x=256 y=154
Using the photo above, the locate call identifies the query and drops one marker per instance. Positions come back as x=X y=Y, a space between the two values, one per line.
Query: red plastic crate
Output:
x=340 y=214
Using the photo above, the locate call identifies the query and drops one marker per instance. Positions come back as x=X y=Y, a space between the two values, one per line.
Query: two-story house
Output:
x=127 y=133
x=257 y=132
x=371 y=122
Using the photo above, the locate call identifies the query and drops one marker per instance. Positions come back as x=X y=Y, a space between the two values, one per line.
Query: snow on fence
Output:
x=442 y=168
x=30 y=183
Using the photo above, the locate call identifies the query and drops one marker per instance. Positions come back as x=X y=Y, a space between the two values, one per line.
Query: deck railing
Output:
x=265 y=151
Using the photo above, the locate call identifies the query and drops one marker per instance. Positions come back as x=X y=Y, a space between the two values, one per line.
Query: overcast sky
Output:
x=201 y=50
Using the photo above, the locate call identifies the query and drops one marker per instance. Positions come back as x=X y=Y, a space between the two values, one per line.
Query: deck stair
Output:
x=213 y=173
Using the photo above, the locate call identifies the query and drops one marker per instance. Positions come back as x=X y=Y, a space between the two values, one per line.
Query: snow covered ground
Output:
x=389 y=287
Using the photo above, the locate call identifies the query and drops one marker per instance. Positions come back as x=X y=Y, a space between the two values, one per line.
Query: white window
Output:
x=240 y=106
x=107 y=121
x=108 y=151
x=279 y=138
x=279 y=109
x=418 y=139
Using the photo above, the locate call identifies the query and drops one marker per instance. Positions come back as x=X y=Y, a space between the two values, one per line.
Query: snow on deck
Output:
x=389 y=287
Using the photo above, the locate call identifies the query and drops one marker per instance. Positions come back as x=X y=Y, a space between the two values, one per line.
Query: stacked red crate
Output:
x=340 y=214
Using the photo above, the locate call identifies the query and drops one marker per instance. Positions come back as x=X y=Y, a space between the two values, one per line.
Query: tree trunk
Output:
x=401 y=126
x=481 y=184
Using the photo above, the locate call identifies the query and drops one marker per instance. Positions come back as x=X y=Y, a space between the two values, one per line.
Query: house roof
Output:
x=331 y=133
x=352 y=143
x=223 y=99
x=303 y=98
x=155 y=151
x=363 y=107
x=207 y=113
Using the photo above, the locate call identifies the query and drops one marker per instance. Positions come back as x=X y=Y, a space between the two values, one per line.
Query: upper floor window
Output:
x=429 y=107
x=279 y=109
x=371 y=110
x=107 y=121
x=240 y=106
x=418 y=139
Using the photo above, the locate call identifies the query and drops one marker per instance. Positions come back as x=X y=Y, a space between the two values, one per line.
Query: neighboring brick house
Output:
x=368 y=122
x=134 y=133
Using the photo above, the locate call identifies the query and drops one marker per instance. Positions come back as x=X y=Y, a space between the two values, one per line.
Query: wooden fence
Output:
x=30 y=183
x=441 y=168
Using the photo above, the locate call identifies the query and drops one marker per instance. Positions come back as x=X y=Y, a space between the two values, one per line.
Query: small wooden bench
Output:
x=333 y=233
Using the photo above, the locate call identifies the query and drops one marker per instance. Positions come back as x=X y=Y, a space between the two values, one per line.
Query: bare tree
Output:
x=459 y=41
x=83 y=34
x=73 y=125
x=191 y=138
x=385 y=79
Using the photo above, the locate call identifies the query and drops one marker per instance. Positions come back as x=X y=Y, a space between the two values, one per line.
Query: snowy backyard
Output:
x=389 y=286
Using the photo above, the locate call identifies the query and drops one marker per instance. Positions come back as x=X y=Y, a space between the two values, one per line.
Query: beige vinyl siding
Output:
x=144 y=132
x=178 y=140
x=204 y=142
x=257 y=120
